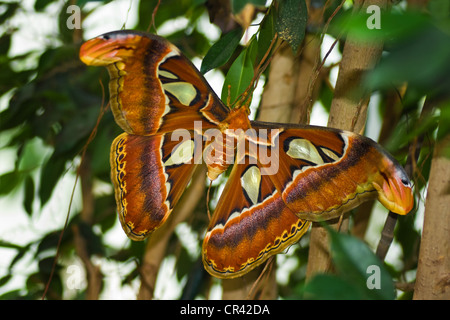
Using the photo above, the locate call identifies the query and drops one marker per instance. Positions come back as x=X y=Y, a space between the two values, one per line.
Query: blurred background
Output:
x=50 y=103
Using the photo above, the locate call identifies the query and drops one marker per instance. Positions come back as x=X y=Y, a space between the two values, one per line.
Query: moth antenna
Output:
x=229 y=95
x=263 y=64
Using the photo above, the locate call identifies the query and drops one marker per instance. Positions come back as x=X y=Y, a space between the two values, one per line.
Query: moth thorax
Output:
x=219 y=154
x=237 y=119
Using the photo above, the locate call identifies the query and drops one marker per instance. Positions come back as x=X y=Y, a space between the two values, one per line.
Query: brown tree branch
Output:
x=220 y=14
x=310 y=66
x=348 y=111
x=93 y=272
x=433 y=271
x=307 y=89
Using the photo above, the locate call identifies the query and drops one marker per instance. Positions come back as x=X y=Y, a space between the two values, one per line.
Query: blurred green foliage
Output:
x=360 y=274
x=54 y=105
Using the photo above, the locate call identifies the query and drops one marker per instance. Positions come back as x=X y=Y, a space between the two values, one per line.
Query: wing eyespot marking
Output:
x=182 y=153
x=333 y=156
x=303 y=149
x=184 y=92
x=251 y=183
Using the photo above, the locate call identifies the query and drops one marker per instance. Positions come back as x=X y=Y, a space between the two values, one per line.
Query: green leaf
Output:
x=83 y=2
x=439 y=10
x=444 y=125
x=28 y=194
x=95 y=243
x=356 y=263
x=9 y=12
x=20 y=254
x=291 y=22
x=393 y=25
x=238 y=5
x=75 y=132
x=326 y=96
x=221 y=51
x=238 y=77
x=405 y=63
x=9 y=181
x=5 y=43
x=329 y=287
x=48 y=242
x=9 y=245
x=45 y=266
x=40 y=5
x=167 y=10
x=50 y=174
x=5 y=279
x=409 y=239
x=404 y=132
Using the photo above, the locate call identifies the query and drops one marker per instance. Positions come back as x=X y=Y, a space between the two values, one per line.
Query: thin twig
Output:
x=152 y=24
x=267 y=266
x=66 y=222
x=263 y=64
x=319 y=67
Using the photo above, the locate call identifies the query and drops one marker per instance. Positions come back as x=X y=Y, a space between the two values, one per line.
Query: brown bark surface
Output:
x=433 y=271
